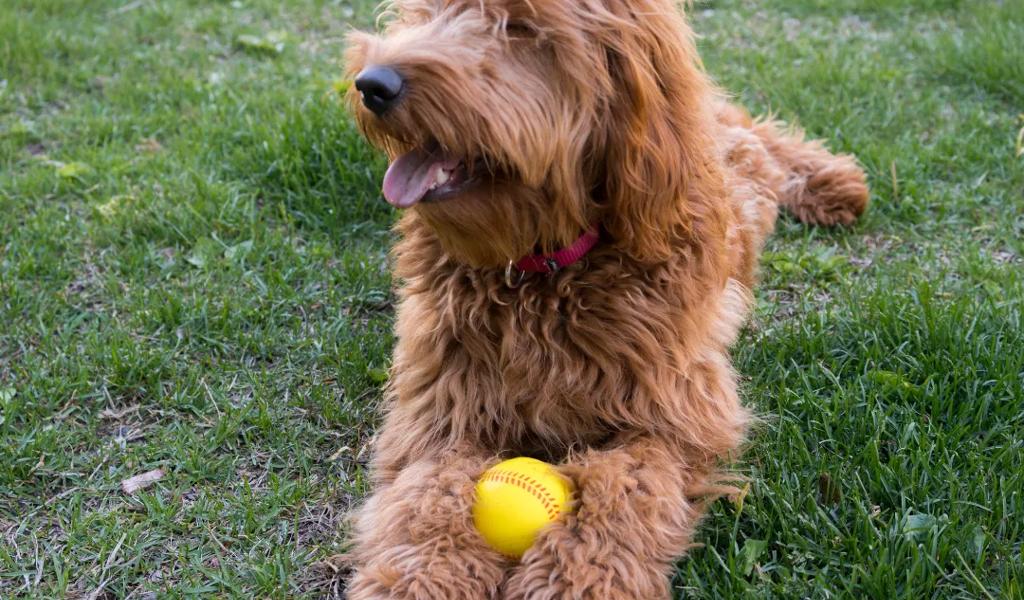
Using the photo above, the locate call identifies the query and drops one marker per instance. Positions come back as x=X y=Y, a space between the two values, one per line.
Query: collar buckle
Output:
x=509 y=277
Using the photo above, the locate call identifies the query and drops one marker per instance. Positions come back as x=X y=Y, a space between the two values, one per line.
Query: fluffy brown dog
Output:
x=513 y=126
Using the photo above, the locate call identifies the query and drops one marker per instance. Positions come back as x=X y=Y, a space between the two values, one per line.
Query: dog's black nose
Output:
x=380 y=87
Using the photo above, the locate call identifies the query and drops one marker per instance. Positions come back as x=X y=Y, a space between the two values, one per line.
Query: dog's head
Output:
x=513 y=124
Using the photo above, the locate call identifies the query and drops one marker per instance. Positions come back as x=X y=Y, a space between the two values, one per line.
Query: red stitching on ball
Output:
x=528 y=484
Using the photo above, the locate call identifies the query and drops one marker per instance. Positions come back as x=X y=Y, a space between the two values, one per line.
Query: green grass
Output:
x=194 y=277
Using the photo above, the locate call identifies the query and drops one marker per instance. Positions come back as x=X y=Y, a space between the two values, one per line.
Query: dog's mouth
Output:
x=425 y=174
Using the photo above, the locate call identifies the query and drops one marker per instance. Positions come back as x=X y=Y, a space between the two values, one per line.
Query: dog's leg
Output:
x=814 y=184
x=415 y=538
x=820 y=187
x=635 y=516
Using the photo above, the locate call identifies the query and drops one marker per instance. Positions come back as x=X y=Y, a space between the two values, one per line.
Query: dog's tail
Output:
x=815 y=185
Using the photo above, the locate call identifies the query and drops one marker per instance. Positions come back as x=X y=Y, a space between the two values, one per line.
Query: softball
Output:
x=517 y=498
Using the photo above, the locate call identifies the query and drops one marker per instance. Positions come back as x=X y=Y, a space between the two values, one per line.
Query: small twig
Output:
x=895 y=181
x=113 y=553
x=127 y=7
x=213 y=400
x=40 y=563
x=337 y=454
x=106 y=566
x=1020 y=141
x=974 y=578
x=109 y=413
x=215 y=540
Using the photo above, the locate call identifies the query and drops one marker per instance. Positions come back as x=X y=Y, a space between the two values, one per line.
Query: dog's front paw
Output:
x=373 y=582
x=573 y=561
x=629 y=522
x=542 y=573
x=420 y=574
x=415 y=539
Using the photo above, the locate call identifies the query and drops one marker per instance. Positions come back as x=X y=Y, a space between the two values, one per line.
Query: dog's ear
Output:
x=652 y=150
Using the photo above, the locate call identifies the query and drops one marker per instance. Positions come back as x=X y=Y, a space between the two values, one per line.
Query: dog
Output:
x=582 y=215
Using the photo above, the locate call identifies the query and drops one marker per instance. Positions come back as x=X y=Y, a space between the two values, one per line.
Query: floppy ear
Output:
x=655 y=135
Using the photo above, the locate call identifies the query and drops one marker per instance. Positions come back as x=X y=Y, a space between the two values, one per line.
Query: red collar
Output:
x=550 y=263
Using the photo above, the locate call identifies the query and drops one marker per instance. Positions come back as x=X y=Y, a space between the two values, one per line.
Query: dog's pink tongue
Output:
x=411 y=176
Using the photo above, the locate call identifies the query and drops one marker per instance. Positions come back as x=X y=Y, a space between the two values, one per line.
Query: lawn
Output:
x=194 y=278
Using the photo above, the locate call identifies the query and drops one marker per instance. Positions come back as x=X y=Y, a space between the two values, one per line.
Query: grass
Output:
x=194 y=277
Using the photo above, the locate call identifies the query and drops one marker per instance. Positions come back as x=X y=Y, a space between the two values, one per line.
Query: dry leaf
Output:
x=142 y=481
x=150 y=145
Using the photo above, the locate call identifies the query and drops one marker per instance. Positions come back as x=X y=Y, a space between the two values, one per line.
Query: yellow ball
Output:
x=517 y=498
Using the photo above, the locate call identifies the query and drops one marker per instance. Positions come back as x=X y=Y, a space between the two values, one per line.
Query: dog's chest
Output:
x=536 y=376
x=548 y=390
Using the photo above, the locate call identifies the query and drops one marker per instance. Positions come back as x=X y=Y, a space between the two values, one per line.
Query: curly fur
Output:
x=616 y=367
